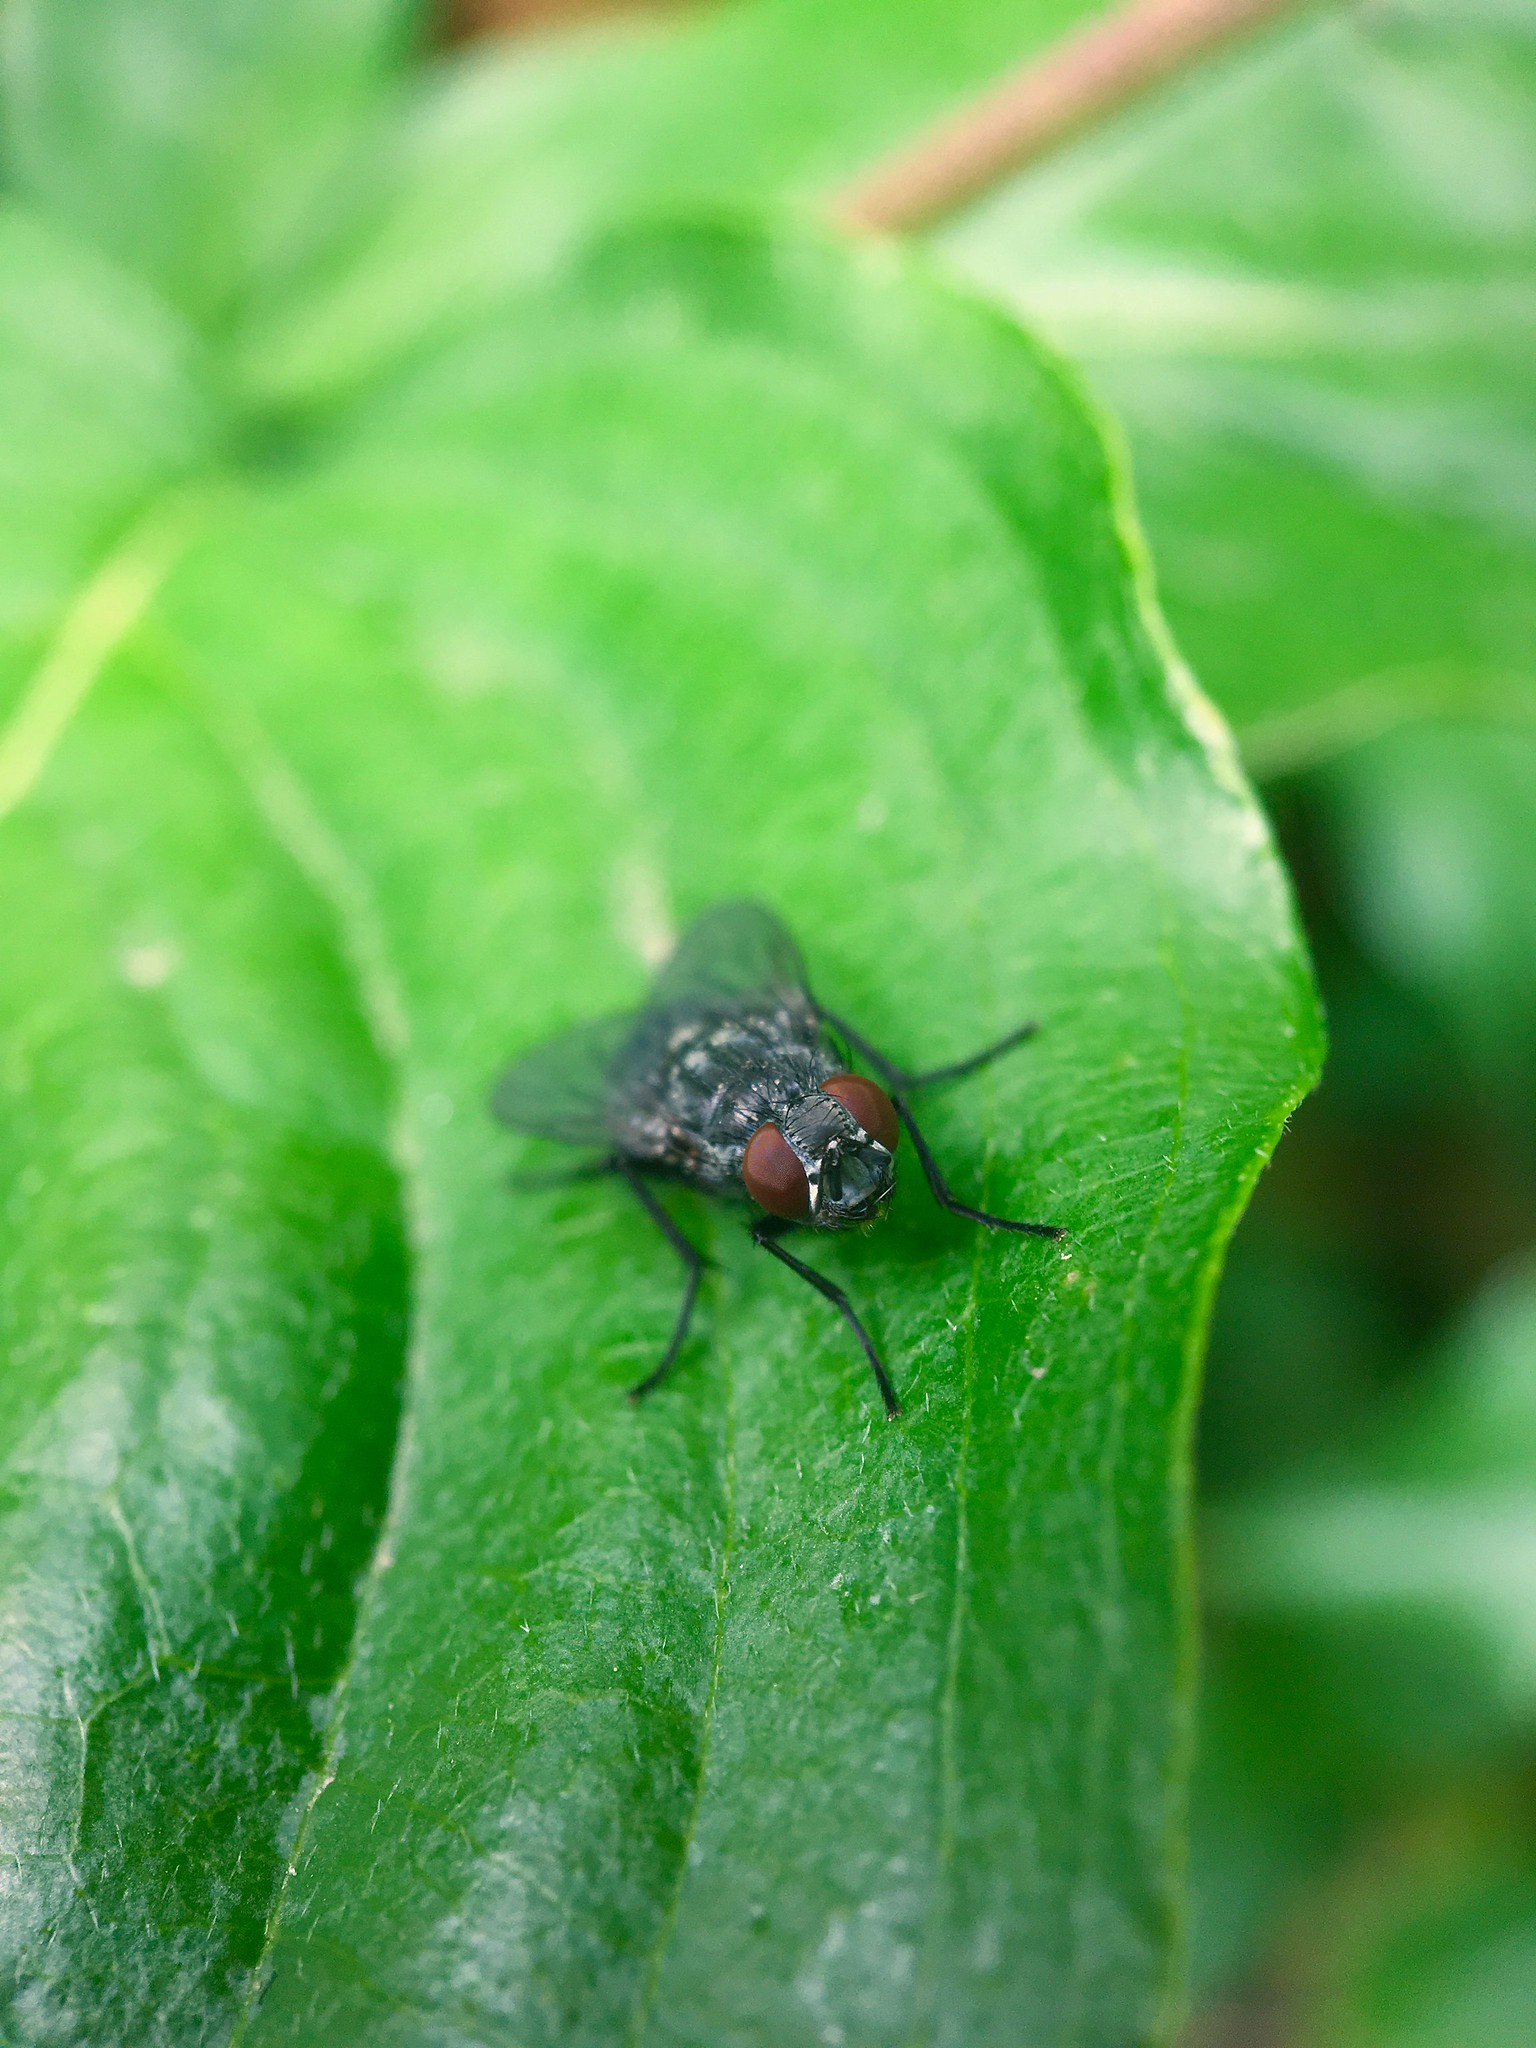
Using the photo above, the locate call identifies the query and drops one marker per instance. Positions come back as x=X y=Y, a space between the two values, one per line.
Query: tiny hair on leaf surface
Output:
x=747 y=564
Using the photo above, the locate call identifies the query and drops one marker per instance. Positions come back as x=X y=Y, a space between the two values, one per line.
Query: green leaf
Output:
x=190 y=139
x=1306 y=281
x=513 y=156
x=739 y=565
x=201 y=1312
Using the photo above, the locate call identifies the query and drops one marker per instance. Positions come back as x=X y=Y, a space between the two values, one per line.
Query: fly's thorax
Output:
x=697 y=1082
x=849 y=1172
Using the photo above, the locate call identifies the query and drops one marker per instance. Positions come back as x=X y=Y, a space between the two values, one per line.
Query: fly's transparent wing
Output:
x=598 y=1083
x=731 y=953
x=562 y=1088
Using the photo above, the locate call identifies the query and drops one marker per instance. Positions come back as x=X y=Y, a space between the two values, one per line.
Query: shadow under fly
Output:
x=733 y=1079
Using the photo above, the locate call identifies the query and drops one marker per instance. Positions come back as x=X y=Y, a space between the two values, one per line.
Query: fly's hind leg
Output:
x=899 y=1082
x=766 y=1232
x=694 y=1263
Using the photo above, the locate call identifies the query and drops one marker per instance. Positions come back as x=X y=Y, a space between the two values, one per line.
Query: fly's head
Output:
x=830 y=1160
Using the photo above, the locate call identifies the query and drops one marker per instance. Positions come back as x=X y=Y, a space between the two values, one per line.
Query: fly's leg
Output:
x=694 y=1263
x=939 y=1187
x=897 y=1081
x=766 y=1232
x=898 y=1077
x=960 y=1068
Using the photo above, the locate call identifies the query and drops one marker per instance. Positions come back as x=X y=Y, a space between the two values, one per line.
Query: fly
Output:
x=734 y=1080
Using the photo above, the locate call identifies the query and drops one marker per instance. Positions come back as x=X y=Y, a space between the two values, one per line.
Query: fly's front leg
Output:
x=899 y=1082
x=958 y=1070
x=940 y=1190
x=766 y=1232
x=694 y=1263
x=903 y=1082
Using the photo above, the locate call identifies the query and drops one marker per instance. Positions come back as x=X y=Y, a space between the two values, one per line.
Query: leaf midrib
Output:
x=300 y=834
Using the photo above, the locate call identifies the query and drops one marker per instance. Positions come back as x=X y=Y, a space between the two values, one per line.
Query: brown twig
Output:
x=1090 y=72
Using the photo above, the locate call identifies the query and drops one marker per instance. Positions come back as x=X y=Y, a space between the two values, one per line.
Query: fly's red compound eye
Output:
x=774 y=1177
x=868 y=1104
